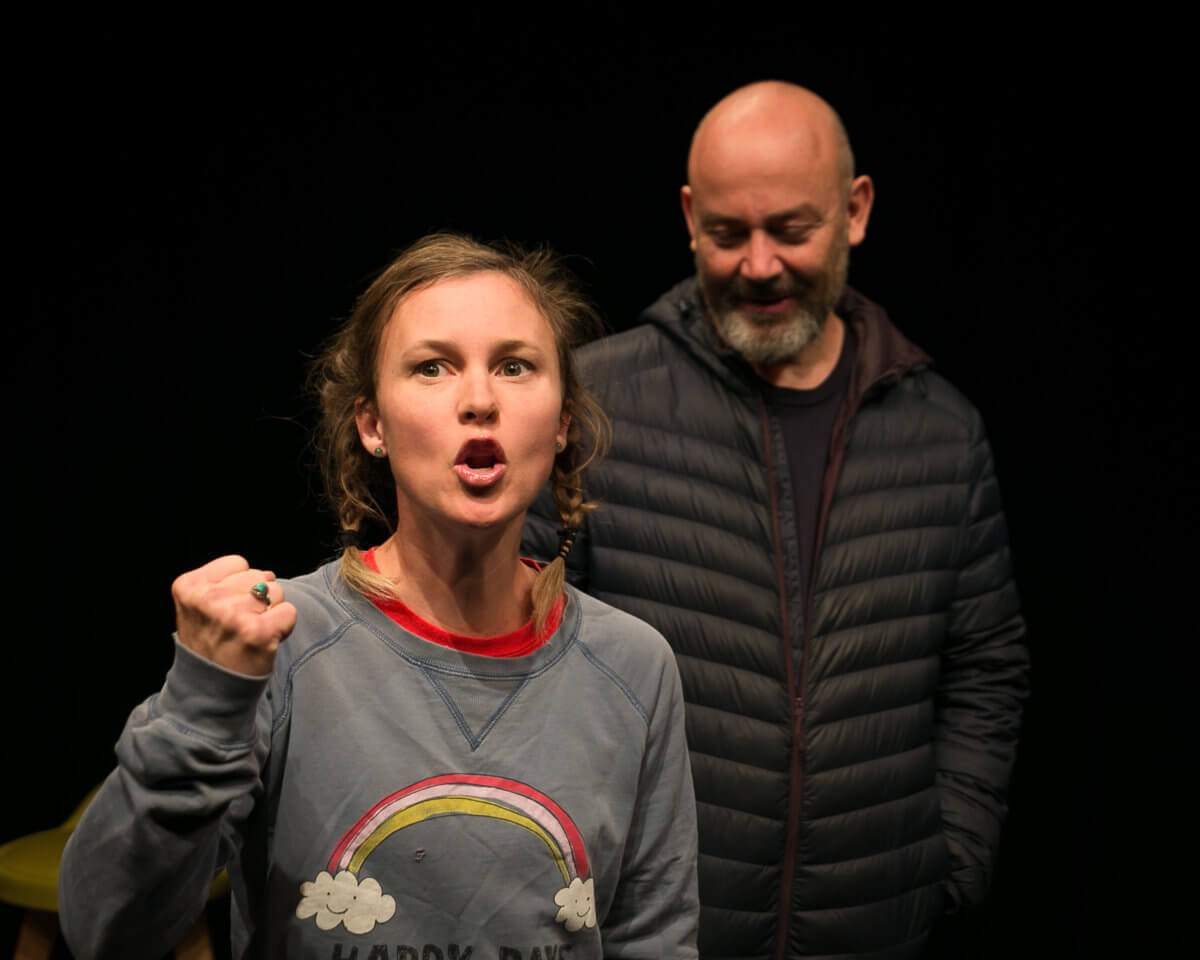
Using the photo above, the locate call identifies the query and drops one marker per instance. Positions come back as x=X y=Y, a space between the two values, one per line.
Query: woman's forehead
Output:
x=477 y=311
x=492 y=301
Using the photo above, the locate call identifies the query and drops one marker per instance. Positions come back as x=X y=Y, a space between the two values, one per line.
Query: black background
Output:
x=185 y=228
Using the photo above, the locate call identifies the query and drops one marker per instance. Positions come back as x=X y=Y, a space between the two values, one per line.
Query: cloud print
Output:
x=343 y=900
x=578 y=905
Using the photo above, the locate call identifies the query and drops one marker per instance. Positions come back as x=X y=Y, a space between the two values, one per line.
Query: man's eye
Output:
x=512 y=367
x=794 y=235
x=727 y=238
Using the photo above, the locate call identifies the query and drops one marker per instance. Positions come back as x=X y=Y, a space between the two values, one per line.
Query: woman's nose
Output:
x=478 y=401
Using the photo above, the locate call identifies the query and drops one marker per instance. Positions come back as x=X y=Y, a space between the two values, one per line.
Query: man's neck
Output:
x=812 y=366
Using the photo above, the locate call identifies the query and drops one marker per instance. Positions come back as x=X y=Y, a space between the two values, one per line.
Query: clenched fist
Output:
x=218 y=617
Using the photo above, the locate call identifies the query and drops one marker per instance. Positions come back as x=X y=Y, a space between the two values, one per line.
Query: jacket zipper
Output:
x=797 y=705
x=796 y=695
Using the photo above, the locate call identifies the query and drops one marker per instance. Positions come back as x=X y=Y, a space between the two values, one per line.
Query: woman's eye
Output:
x=430 y=368
x=514 y=368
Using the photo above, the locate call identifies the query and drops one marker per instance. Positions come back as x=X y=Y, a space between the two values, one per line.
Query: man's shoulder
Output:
x=946 y=396
x=891 y=362
x=662 y=338
x=646 y=345
x=923 y=406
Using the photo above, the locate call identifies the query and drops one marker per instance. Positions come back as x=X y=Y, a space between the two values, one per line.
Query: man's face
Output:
x=769 y=316
x=772 y=226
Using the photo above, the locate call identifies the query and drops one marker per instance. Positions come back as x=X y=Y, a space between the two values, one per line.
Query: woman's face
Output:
x=469 y=402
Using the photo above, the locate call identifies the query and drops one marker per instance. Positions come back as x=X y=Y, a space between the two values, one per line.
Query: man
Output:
x=810 y=515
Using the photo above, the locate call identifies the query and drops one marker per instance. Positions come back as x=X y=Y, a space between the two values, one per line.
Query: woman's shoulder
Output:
x=599 y=613
x=630 y=647
x=324 y=605
x=316 y=587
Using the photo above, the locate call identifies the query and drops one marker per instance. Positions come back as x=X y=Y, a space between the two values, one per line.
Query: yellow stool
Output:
x=29 y=879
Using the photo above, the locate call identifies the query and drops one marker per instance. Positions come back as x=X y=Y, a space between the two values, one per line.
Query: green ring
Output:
x=260 y=593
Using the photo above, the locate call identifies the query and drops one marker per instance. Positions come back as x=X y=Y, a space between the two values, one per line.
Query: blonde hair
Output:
x=344 y=374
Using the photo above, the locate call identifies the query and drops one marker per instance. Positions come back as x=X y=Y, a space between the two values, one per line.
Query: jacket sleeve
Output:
x=656 y=909
x=136 y=871
x=983 y=684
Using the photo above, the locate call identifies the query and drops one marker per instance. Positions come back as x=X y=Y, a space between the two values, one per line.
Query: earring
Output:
x=558 y=446
x=379 y=452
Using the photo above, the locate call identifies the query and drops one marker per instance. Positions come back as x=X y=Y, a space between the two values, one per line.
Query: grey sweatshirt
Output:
x=382 y=796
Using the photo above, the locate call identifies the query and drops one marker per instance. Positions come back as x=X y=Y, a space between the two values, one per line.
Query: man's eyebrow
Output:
x=719 y=220
x=805 y=211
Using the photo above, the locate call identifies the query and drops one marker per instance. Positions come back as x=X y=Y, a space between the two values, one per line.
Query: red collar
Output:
x=521 y=641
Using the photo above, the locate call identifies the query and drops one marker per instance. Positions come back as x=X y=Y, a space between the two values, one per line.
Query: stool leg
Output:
x=35 y=939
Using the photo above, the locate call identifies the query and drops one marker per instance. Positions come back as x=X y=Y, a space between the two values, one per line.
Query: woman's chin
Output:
x=487 y=516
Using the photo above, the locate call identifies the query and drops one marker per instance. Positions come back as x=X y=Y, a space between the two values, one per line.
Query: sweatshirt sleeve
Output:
x=656 y=908
x=984 y=683
x=136 y=871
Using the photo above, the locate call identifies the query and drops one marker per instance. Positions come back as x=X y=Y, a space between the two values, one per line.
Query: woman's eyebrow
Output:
x=505 y=346
x=449 y=347
x=433 y=346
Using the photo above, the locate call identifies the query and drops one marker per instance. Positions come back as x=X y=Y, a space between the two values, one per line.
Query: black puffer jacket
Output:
x=850 y=776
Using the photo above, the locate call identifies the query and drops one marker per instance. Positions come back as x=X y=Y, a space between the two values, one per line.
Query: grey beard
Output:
x=769 y=344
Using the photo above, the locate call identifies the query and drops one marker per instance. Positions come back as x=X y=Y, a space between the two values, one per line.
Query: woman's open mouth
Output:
x=480 y=462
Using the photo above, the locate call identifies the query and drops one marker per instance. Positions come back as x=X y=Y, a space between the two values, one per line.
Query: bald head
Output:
x=773 y=207
x=765 y=121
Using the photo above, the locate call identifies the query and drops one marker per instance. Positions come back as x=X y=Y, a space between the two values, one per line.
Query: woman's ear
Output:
x=564 y=425
x=370 y=428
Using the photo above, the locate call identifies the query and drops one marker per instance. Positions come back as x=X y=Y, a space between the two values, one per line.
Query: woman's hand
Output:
x=218 y=616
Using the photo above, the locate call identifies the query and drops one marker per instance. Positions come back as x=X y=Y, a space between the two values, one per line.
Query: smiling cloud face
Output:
x=343 y=900
x=578 y=905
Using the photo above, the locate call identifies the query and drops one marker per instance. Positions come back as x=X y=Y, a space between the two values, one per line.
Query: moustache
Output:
x=774 y=289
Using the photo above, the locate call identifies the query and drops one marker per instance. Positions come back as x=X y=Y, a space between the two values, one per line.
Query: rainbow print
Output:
x=470 y=794
x=337 y=897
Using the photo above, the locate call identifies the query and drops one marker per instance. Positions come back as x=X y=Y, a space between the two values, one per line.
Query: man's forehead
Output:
x=761 y=155
x=759 y=185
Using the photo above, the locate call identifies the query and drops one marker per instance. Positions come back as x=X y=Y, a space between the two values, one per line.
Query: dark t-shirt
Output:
x=806 y=417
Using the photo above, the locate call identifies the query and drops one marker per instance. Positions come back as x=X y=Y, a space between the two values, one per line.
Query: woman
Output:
x=429 y=749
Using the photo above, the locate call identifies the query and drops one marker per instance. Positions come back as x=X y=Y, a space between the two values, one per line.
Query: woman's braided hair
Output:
x=345 y=374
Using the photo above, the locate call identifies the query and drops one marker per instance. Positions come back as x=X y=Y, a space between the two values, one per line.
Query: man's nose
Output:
x=761 y=261
x=477 y=403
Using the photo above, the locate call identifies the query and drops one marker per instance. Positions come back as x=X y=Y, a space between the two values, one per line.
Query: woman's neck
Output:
x=474 y=585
